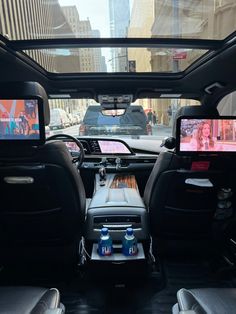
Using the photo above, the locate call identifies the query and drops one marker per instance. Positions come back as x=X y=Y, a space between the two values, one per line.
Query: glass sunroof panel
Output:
x=91 y=60
x=40 y=19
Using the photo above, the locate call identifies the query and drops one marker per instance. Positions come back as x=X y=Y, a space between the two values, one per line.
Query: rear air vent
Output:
x=117 y=222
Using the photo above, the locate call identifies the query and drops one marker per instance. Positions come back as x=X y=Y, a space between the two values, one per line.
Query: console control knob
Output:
x=118 y=163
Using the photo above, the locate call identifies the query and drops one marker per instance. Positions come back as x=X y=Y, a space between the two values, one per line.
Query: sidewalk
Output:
x=161 y=130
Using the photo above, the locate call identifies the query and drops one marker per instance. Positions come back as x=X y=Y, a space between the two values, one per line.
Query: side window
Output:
x=227 y=105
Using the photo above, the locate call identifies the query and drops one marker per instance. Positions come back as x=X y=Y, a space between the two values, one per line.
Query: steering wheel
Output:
x=78 y=159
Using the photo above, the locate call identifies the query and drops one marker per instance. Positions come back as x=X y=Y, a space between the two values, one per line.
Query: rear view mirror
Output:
x=115 y=102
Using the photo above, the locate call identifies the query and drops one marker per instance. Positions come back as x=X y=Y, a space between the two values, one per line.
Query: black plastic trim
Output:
x=30 y=44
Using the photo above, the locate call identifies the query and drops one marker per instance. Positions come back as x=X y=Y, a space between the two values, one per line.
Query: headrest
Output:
x=21 y=90
x=193 y=111
x=169 y=142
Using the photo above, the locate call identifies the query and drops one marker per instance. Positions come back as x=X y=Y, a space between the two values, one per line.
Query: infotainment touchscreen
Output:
x=113 y=147
x=216 y=135
x=20 y=120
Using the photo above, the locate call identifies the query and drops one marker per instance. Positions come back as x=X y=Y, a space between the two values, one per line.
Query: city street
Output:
x=72 y=130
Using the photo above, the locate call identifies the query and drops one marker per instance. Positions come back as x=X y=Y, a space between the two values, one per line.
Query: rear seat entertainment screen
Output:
x=19 y=119
x=206 y=135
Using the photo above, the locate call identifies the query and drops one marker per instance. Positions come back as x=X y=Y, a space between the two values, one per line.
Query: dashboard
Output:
x=116 y=156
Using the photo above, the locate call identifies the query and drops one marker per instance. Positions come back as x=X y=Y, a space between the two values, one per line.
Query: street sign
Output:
x=179 y=55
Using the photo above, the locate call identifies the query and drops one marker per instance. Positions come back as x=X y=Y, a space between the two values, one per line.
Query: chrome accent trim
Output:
x=117 y=226
x=19 y=180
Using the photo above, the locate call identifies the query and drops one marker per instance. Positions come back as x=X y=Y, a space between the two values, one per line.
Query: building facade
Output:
x=38 y=19
x=119 y=12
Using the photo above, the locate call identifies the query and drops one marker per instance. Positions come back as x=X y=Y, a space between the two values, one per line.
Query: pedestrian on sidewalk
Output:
x=154 y=118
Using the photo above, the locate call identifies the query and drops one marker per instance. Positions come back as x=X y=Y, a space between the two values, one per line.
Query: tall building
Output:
x=72 y=17
x=202 y=19
x=103 y=65
x=99 y=60
x=86 y=54
x=187 y=19
x=38 y=19
x=140 y=26
x=119 y=12
x=90 y=58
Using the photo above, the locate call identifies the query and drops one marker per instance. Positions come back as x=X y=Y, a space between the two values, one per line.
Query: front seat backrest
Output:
x=41 y=219
x=177 y=209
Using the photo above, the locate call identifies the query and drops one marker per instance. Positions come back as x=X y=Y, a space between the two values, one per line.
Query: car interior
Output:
x=169 y=175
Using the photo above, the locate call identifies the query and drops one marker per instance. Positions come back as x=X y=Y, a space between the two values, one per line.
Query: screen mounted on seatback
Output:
x=19 y=120
x=206 y=135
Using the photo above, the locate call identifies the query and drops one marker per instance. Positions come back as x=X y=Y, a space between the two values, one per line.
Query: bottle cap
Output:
x=104 y=231
x=129 y=231
x=226 y=190
x=224 y=193
x=224 y=204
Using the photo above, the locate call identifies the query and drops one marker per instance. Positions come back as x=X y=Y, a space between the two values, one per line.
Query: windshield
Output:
x=143 y=123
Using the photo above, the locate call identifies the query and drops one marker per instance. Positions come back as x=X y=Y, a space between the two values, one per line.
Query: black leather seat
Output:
x=180 y=213
x=42 y=221
x=206 y=301
x=29 y=300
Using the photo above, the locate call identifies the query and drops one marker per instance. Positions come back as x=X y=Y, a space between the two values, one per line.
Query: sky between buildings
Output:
x=96 y=10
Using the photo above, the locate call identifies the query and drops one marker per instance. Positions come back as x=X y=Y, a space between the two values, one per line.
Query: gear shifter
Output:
x=102 y=173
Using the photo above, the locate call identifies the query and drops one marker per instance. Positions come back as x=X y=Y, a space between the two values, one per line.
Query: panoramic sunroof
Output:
x=198 y=19
x=90 y=60
x=118 y=20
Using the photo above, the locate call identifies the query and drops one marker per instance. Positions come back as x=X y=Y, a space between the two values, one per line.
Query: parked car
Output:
x=58 y=119
x=47 y=131
x=132 y=122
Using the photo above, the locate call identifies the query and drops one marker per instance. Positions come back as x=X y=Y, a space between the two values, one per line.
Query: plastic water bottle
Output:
x=129 y=245
x=105 y=243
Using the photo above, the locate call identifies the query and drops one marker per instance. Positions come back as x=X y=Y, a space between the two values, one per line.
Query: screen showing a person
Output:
x=19 y=119
x=207 y=135
x=113 y=147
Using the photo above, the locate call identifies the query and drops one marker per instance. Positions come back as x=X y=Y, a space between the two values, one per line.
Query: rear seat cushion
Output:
x=208 y=300
x=32 y=300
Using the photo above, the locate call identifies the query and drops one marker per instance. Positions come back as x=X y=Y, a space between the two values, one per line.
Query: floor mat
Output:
x=109 y=297
x=182 y=275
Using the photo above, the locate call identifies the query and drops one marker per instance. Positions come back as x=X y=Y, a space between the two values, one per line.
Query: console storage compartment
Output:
x=117 y=209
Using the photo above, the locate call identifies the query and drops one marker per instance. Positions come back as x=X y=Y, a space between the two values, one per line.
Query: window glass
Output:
x=143 y=121
x=227 y=105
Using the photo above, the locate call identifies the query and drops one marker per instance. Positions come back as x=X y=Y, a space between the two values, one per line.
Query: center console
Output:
x=117 y=205
x=116 y=209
